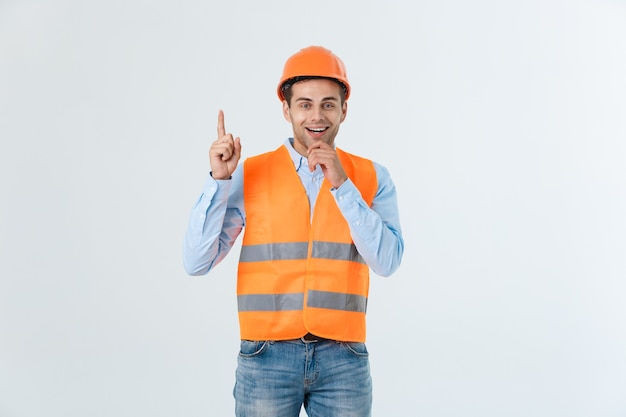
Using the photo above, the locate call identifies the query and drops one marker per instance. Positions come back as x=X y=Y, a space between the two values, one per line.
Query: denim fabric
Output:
x=274 y=379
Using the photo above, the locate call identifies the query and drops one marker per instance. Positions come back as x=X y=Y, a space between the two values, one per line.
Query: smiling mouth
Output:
x=317 y=129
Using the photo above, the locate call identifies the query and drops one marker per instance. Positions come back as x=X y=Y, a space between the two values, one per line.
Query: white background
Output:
x=502 y=123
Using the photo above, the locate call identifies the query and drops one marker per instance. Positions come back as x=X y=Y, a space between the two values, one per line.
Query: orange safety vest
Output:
x=296 y=275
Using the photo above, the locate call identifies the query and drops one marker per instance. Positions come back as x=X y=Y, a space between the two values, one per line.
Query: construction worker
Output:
x=316 y=219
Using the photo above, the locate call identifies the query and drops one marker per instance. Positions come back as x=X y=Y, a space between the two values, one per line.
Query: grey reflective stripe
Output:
x=299 y=250
x=337 y=301
x=337 y=251
x=274 y=252
x=270 y=302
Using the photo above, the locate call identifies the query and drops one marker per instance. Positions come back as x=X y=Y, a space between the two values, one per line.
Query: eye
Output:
x=329 y=106
x=305 y=105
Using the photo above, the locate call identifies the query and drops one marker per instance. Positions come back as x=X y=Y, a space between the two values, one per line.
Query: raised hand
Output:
x=325 y=155
x=225 y=152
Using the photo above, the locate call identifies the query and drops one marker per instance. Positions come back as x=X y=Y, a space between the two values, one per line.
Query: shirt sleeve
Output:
x=375 y=230
x=215 y=222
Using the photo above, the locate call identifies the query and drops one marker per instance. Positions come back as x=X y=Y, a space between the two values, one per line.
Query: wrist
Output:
x=340 y=182
x=218 y=178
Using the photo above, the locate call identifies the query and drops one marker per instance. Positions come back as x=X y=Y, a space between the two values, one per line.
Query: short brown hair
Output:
x=288 y=92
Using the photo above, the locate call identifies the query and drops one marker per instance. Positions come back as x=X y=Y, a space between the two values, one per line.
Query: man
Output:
x=316 y=219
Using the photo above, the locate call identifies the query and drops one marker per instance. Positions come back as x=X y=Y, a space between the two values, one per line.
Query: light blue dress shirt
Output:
x=218 y=218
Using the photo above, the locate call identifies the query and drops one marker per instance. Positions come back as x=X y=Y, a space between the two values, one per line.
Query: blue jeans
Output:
x=274 y=379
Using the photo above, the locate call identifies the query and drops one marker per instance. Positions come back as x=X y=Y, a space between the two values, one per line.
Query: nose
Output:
x=316 y=114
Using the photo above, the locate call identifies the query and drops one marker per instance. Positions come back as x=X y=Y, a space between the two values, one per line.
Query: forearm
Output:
x=375 y=230
x=212 y=230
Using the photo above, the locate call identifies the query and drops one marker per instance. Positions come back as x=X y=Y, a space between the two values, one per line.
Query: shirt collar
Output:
x=300 y=161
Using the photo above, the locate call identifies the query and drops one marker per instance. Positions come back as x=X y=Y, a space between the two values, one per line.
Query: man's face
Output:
x=315 y=112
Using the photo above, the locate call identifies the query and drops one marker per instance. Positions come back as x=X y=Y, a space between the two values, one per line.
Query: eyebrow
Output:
x=330 y=98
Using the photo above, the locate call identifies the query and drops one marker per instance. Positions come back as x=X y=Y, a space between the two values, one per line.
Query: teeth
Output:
x=319 y=129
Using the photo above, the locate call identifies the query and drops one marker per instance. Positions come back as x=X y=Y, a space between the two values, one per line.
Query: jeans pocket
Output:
x=356 y=348
x=250 y=348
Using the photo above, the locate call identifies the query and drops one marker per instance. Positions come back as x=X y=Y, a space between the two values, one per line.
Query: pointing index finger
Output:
x=221 y=131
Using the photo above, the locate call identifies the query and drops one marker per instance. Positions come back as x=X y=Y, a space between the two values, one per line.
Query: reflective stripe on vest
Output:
x=298 y=250
x=270 y=302
x=295 y=301
x=337 y=301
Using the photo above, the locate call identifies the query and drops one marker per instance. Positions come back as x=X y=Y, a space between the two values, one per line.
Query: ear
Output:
x=286 y=113
x=344 y=111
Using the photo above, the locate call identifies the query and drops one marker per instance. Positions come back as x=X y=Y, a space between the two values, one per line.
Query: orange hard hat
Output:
x=312 y=62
